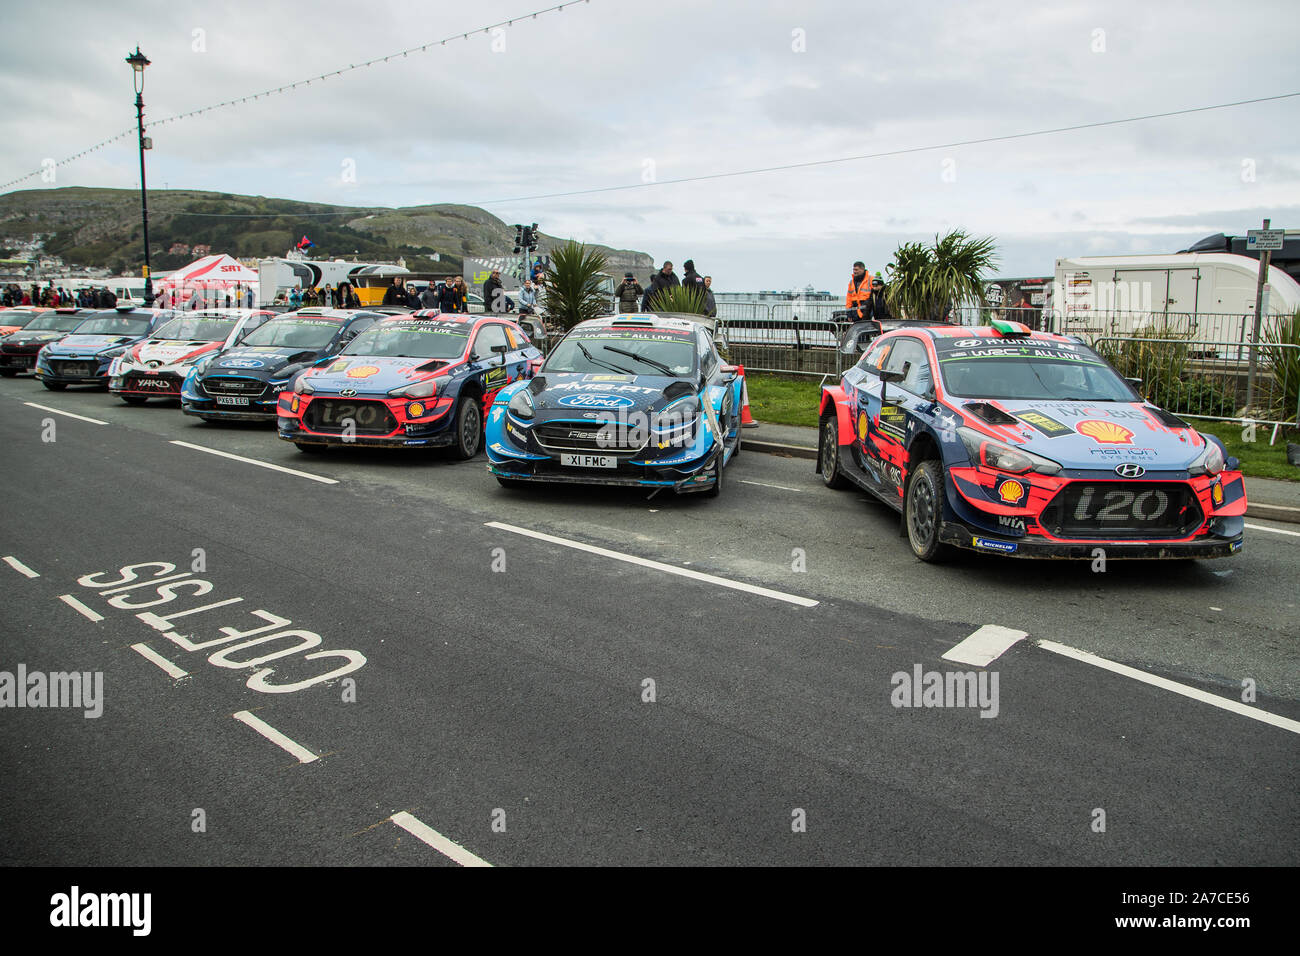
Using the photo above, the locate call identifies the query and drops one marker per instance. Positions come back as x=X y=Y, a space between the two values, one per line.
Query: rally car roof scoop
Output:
x=537 y=384
x=990 y=413
x=431 y=366
x=678 y=389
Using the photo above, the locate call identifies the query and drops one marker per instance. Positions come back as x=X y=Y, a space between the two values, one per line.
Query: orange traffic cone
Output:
x=746 y=419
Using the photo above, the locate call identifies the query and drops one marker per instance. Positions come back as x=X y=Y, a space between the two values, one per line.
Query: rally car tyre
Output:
x=55 y=386
x=923 y=512
x=715 y=489
x=133 y=399
x=831 y=473
x=469 y=428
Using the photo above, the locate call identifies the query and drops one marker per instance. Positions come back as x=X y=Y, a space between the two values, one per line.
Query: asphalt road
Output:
x=546 y=700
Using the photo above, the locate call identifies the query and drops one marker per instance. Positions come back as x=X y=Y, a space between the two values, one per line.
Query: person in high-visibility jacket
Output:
x=858 y=300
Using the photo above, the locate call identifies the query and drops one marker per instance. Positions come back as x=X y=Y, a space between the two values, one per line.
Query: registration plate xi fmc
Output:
x=589 y=461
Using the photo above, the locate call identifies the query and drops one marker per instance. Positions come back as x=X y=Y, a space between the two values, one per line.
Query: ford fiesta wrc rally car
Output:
x=413 y=381
x=636 y=399
x=1006 y=441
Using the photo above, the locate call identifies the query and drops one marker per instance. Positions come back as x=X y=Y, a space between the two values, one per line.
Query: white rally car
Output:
x=156 y=367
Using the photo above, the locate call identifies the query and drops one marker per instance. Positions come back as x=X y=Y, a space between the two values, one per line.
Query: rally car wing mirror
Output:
x=501 y=350
x=885 y=379
x=728 y=372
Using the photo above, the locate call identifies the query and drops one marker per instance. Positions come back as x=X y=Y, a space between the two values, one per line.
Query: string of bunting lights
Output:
x=289 y=87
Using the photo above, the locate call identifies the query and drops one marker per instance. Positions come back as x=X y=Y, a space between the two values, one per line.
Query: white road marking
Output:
x=153 y=657
x=984 y=646
x=1226 y=703
x=20 y=567
x=427 y=834
x=259 y=464
x=658 y=566
x=59 y=411
x=1260 y=527
x=80 y=608
x=764 y=484
x=280 y=740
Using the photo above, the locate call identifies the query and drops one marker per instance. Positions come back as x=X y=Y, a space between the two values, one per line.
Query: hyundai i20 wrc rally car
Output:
x=245 y=380
x=413 y=381
x=18 y=349
x=83 y=356
x=636 y=399
x=1007 y=441
x=156 y=367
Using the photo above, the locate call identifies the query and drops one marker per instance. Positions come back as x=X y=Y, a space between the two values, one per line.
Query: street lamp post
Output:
x=138 y=62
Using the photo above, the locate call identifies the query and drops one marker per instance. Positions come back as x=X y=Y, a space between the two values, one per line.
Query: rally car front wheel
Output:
x=923 y=512
x=469 y=428
x=830 y=461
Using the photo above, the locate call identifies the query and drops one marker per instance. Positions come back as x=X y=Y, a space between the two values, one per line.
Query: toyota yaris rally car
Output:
x=156 y=367
x=1007 y=441
x=83 y=357
x=416 y=381
x=245 y=380
x=18 y=349
x=639 y=399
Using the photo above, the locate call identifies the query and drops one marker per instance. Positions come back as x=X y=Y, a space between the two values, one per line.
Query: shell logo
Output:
x=363 y=371
x=1011 y=491
x=862 y=426
x=415 y=410
x=1105 y=433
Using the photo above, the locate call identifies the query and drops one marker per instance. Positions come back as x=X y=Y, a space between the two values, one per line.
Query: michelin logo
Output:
x=988 y=544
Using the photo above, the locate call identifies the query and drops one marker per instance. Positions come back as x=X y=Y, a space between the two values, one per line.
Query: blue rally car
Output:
x=638 y=399
x=84 y=356
x=413 y=381
x=244 y=381
x=1002 y=440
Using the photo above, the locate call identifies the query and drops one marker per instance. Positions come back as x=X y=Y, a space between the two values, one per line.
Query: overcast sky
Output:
x=611 y=93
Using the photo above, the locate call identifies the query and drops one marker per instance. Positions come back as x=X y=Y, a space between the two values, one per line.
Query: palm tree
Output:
x=573 y=285
x=678 y=298
x=926 y=282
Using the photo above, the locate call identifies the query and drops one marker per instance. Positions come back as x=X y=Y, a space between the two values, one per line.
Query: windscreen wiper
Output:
x=595 y=361
x=640 y=358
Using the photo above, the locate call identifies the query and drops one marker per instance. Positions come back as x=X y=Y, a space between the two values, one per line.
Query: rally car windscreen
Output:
x=625 y=354
x=1033 y=370
x=112 y=323
x=294 y=333
x=194 y=328
x=54 y=322
x=410 y=340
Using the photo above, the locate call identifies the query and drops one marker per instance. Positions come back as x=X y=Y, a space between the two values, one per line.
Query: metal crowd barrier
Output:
x=1211 y=379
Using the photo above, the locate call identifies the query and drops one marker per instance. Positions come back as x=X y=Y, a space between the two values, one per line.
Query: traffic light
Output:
x=530 y=237
x=519 y=239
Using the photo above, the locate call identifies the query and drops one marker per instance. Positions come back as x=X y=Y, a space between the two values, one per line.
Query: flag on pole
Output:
x=305 y=243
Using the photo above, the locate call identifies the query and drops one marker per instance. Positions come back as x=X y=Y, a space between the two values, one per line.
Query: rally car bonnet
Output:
x=567 y=395
x=373 y=374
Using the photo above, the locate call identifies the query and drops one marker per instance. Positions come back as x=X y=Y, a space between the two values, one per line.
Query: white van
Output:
x=1207 y=295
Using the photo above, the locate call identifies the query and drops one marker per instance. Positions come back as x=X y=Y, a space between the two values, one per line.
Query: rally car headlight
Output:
x=112 y=353
x=419 y=389
x=303 y=387
x=521 y=404
x=1209 y=462
x=995 y=454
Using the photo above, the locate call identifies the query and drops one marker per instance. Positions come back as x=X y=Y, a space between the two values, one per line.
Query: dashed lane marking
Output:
x=1213 y=700
x=80 y=608
x=59 y=411
x=153 y=657
x=259 y=464
x=659 y=566
x=427 y=834
x=1260 y=527
x=764 y=484
x=984 y=646
x=300 y=752
x=21 y=568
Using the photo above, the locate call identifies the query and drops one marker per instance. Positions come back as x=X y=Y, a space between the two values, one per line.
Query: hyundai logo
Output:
x=348 y=392
x=1130 y=470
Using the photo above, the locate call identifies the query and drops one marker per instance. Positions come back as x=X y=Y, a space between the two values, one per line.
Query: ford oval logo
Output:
x=596 y=401
x=241 y=363
x=1130 y=470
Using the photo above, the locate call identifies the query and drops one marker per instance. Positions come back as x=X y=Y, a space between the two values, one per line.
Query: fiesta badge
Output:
x=1105 y=433
x=363 y=371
